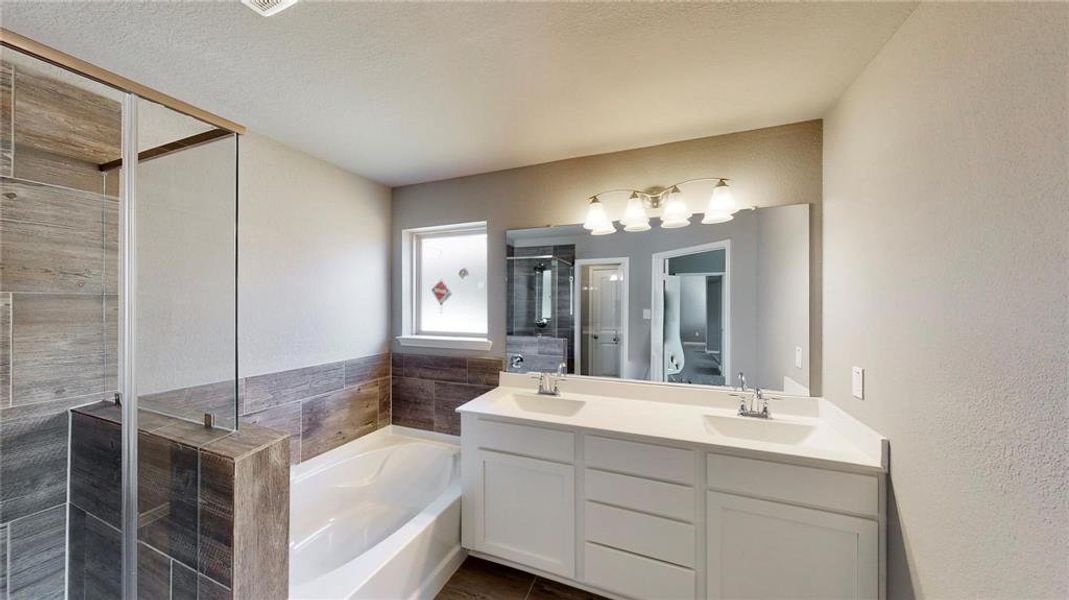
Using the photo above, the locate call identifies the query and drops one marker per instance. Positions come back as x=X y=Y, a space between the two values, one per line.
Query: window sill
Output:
x=443 y=341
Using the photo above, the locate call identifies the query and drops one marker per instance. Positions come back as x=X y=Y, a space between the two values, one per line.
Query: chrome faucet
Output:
x=753 y=396
x=753 y=411
x=549 y=383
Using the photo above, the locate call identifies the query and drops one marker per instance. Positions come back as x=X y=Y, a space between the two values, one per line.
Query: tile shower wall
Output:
x=213 y=504
x=521 y=306
x=538 y=353
x=427 y=389
x=56 y=270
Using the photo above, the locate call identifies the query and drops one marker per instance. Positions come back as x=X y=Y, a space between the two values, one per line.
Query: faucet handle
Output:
x=562 y=370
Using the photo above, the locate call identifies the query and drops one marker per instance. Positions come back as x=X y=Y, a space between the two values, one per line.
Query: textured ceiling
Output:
x=410 y=92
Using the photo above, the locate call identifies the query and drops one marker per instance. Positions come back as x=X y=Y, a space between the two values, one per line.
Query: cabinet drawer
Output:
x=550 y=444
x=636 y=577
x=646 y=460
x=655 y=537
x=657 y=497
x=831 y=490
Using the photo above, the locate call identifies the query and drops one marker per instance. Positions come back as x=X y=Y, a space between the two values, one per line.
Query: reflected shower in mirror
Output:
x=694 y=305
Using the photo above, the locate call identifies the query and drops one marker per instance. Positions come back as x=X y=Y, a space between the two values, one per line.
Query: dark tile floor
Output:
x=479 y=579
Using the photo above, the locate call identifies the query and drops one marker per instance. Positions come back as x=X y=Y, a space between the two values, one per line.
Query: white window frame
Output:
x=411 y=332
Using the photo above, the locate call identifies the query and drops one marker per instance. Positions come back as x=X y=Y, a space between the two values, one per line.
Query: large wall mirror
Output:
x=695 y=305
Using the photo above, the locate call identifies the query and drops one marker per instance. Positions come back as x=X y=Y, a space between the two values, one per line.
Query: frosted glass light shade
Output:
x=596 y=218
x=721 y=205
x=711 y=218
x=635 y=217
x=604 y=229
x=675 y=214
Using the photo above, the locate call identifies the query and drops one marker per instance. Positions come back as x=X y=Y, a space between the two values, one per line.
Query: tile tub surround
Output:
x=205 y=496
x=322 y=406
x=427 y=389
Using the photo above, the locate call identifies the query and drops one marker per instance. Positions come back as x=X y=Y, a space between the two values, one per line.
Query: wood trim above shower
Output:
x=171 y=147
x=21 y=43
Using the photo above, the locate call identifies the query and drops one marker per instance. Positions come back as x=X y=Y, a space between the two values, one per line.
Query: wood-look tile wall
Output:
x=427 y=389
x=56 y=274
x=213 y=504
x=323 y=406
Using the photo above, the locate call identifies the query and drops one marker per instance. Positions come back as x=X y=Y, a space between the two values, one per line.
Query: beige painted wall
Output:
x=774 y=166
x=314 y=265
x=946 y=270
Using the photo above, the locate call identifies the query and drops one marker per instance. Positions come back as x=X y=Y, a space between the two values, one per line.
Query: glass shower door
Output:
x=117 y=281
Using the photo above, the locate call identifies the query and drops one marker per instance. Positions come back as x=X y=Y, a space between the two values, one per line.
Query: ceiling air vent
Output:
x=267 y=8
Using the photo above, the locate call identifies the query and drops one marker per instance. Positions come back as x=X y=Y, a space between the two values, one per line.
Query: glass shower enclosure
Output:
x=540 y=308
x=118 y=332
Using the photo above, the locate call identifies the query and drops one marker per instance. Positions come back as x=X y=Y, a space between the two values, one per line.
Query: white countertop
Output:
x=819 y=433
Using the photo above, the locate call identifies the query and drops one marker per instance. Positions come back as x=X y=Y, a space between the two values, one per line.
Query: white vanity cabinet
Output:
x=519 y=494
x=642 y=519
x=779 y=531
x=528 y=511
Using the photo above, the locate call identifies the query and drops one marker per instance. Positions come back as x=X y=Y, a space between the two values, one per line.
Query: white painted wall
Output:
x=782 y=296
x=312 y=272
x=185 y=266
x=692 y=310
x=769 y=167
x=314 y=265
x=946 y=269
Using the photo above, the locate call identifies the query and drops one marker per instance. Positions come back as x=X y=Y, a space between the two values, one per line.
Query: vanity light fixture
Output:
x=669 y=201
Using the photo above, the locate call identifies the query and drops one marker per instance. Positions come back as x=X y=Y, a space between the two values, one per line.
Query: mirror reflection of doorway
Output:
x=601 y=336
x=690 y=315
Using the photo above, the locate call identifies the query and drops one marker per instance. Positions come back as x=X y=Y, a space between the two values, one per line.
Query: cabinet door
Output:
x=527 y=511
x=759 y=549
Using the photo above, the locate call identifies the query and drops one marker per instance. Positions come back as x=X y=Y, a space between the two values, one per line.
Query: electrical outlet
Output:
x=797 y=357
x=857 y=382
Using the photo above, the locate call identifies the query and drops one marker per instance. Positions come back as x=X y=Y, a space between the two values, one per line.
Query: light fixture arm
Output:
x=653 y=198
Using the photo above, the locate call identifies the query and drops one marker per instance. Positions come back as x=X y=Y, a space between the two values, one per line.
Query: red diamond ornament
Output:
x=441 y=292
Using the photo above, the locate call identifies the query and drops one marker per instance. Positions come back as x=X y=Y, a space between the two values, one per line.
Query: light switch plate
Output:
x=797 y=357
x=647 y=314
x=858 y=382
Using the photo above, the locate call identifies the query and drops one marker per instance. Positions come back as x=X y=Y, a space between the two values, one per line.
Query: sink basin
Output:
x=549 y=405
x=760 y=430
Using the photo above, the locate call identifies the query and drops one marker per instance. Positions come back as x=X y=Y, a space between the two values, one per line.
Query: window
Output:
x=444 y=270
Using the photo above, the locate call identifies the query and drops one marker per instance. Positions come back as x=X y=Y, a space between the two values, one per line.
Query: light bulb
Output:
x=676 y=213
x=635 y=217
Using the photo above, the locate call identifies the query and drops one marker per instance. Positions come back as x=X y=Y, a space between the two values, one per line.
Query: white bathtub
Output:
x=376 y=518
